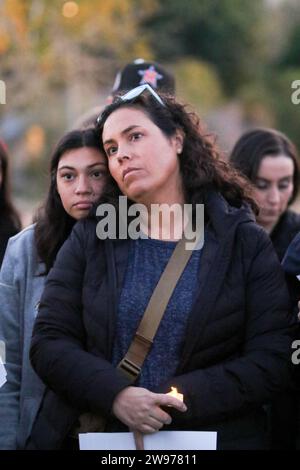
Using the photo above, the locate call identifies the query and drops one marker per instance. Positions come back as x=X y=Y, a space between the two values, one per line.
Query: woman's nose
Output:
x=83 y=185
x=274 y=195
x=123 y=153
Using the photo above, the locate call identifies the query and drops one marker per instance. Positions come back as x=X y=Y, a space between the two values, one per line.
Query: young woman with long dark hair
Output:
x=77 y=174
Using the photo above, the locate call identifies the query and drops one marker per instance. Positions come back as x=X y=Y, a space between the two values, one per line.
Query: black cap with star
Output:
x=139 y=72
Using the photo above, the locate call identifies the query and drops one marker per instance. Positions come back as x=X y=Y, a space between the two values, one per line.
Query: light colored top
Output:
x=20 y=291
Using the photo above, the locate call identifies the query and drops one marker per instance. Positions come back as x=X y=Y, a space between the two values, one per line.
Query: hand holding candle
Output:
x=178 y=406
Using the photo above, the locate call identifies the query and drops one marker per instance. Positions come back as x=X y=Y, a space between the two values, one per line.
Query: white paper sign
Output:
x=162 y=440
x=3 y=373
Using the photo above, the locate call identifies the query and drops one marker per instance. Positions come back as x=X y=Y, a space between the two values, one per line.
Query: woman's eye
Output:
x=284 y=185
x=68 y=177
x=110 y=151
x=98 y=174
x=261 y=185
x=135 y=136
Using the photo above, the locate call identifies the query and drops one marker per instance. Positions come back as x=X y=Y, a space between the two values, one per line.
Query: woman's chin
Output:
x=269 y=220
x=135 y=193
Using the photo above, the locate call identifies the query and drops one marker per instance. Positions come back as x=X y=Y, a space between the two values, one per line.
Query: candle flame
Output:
x=174 y=393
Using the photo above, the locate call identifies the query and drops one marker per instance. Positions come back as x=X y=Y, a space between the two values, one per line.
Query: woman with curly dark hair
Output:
x=223 y=340
x=10 y=222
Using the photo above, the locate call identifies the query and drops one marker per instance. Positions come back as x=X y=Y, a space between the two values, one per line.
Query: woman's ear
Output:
x=179 y=140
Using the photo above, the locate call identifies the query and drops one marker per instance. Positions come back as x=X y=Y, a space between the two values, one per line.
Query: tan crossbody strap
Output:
x=132 y=362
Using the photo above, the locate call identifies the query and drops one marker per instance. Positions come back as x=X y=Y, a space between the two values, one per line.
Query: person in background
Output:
x=291 y=265
x=130 y=76
x=10 y=222
x=270 y=161
x=77 y=174
x=223 y=341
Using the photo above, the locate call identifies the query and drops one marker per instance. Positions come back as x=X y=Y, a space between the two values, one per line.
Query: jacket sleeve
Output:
x=58 y=354
x=291 y=260
x=10 y=334
x=291 y=266
x=231 y=387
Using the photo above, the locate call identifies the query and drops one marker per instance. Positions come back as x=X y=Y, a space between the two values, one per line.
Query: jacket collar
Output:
x=223 y=217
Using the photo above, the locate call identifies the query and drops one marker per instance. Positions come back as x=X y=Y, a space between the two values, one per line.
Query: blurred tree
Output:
x=226 y=33
x=266 y=99
x=40 y=48
x=287 y=113
x=255 y=98
x=270 y=103
x=197 y=82
x=55 y=66
x=291 y=57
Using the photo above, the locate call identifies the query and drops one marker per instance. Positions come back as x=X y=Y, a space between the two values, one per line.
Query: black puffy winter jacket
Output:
x=237 y=348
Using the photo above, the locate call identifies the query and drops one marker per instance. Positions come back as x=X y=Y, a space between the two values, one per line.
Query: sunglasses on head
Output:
x=134 y=93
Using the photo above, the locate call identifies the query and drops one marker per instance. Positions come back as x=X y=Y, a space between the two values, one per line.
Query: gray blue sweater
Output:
x=147 y=260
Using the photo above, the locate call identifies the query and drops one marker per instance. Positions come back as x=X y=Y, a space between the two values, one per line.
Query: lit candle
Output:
x=174 y=393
